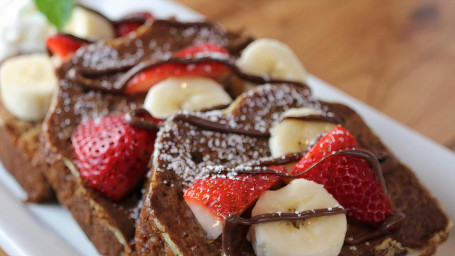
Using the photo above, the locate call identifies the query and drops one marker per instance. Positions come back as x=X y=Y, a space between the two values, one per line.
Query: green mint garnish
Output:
x=57 y=12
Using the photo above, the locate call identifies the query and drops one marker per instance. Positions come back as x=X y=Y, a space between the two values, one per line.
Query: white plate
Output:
x=28 y=229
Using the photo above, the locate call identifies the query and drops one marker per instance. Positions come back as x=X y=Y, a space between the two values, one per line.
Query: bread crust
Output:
x=20 y=155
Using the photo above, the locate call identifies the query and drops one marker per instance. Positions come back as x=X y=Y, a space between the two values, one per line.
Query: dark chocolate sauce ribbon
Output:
x=234 y=220
x=388 y=224
x=120 y=84
x=219 y=127
x=134 y=118
x=317 y=118
x=261 y=168
x=207 y=124
x=215 y=126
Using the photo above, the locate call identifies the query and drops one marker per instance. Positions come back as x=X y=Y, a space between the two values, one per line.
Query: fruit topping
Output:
x=272 y=58
x=64 y=45
x=131 y=22
x=349 y=178
x=214 y=199
x=86 y=23
x=294 y=133
x=27 y=84
x=185 y=93
x=111 y=155
x=144 y=80
x=318 y=236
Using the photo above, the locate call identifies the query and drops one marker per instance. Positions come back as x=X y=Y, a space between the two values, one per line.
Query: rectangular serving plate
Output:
x=33 y=229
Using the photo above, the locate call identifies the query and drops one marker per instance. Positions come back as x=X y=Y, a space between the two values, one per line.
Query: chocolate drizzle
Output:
x=317 y=118
x=261 y=167
x=103 y=63
x=134 y=118
x=215 y=126
x=388 y=224
x=282 y=160
x=234 y=220
x=123 y=80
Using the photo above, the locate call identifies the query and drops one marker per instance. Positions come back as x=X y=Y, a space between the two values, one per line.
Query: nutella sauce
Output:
x=352 y=238
x=215 y=126
x=134 y=118
x=317 y=118
x=234 y=220
x=122 y=82
x=82 y=75
x=390 y=223
x=261 y=167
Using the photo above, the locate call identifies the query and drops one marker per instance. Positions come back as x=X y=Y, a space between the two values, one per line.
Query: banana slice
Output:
x=27 y=83
x=320 y=236
x=185 y=93
x=292 y=135
x=88 y=24
x=271 y=58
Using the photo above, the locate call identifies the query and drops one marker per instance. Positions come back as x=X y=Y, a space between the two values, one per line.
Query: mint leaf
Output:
x=57 y=12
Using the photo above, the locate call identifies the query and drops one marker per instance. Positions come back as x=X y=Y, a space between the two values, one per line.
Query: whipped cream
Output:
x=23 y=29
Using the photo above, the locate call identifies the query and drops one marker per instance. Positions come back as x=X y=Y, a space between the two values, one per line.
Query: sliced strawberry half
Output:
x=214 y=199
x=64 y=45
x=131 y=22
x=141 y=82
x=349 y=178
x=111 y=155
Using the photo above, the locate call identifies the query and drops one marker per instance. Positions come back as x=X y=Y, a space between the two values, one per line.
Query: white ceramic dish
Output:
x=28 y=229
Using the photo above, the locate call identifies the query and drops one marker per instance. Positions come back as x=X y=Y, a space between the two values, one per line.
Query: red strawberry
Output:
x=213 y=199
x=142 y=81
x=131 y=22
x=111 y=155
x=350 y=179
x=64 y=45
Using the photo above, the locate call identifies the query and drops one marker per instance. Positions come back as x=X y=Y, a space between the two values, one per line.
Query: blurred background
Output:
x=397 y=56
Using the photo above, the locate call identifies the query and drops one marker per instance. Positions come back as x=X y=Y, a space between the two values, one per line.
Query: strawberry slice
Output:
x=214 y=199
x=111 y=155
x=64 y=45
x=350 y=179
x=142 y=81
x=131 y=22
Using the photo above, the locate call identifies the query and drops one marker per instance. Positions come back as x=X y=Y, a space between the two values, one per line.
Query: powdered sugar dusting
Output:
x=192 y=152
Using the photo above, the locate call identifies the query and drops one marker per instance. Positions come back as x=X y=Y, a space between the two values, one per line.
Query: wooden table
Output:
x=397 y=56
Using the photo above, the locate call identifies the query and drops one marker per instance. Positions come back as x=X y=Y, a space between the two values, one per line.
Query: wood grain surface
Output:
x=397 y=56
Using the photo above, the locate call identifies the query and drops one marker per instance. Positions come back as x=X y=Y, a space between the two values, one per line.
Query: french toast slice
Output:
x=87 y=91
x=20 y=155
x=168 y=226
